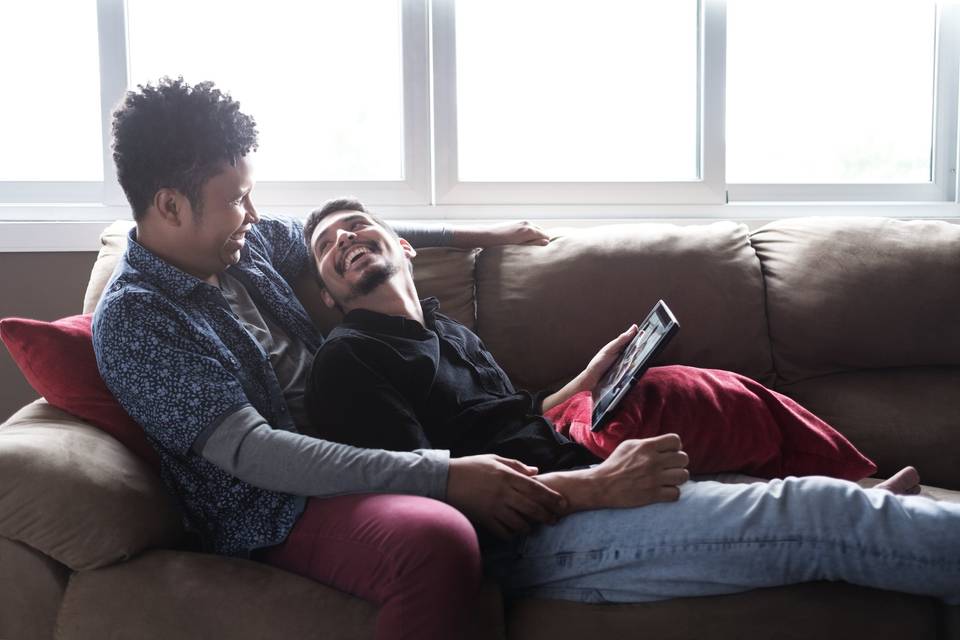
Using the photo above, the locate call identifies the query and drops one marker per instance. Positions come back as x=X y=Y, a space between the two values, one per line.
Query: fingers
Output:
x=673 y=477
x=518 y=466
x=666 y=442
x=668 y=494
x=531 y=510
x=673 y=459
x=537 y=492
x=512 y=522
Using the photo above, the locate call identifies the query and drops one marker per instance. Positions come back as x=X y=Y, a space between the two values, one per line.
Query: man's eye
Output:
x=324 y=247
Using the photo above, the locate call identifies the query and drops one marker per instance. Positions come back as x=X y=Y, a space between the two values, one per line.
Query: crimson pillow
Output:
x=57 y=360
x=726 y=422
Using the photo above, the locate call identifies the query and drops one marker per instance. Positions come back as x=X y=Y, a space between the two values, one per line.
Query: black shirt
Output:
x=389 y=382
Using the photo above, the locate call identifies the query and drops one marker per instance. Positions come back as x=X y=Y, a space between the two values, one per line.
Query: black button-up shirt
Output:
x=389 y=382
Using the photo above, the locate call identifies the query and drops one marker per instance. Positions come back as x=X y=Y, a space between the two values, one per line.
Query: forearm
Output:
x=249 y=449
x=577 y=486
x=569 y=390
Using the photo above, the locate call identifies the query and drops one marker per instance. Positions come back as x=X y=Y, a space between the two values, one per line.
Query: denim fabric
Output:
x=724 y=538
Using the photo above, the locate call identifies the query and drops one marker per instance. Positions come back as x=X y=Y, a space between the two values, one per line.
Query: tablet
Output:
x=654 y=334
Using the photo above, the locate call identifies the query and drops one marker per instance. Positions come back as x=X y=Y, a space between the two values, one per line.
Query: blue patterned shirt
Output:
x=179 y=361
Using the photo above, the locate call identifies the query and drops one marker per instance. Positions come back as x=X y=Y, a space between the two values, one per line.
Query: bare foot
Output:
x=904 y=482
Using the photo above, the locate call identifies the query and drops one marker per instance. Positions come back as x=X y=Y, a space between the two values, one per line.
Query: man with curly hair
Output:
x=201 y=337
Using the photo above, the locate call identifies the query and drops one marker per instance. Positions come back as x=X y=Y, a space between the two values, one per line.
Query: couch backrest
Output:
x=545 y=311
x=860 y=293
x=444 y=273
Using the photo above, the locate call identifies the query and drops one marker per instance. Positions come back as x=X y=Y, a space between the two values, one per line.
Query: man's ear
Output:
x=327 y=298
x=408 y=249
x=171 y=205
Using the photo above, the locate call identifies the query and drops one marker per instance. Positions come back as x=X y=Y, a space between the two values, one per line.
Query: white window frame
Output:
x=101 y=199
x=942 y=187
x=430 y=189
x=707 y=189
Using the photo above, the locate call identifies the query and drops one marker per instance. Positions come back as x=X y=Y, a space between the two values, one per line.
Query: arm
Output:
x=473 y=236
x=637 y=473
x=588 y=379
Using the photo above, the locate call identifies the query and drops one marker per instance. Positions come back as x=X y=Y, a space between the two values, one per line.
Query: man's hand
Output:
x=641 y=472
x=500 y=234
x=588 y=379
x=501 y=494
x=637 y=473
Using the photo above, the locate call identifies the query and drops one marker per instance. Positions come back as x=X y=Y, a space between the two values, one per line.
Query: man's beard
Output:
x=372 y=278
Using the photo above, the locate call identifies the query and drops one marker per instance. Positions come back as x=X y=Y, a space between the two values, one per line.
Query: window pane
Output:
x=321 y=79
x=50 y=112
x=564 y=90
x=823 y=91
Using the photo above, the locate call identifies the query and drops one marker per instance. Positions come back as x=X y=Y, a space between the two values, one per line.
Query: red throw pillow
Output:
x=726 y=422
x=57 y=360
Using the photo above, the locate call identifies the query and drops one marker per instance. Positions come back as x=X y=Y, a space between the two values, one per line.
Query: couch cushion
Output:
x=545 y=311
x=172 y=594
x=895 y=416
x=851 y=293
x=31 y=588
x=442 y=272
x=74 y=493
x=826 y=611
x=57 y=359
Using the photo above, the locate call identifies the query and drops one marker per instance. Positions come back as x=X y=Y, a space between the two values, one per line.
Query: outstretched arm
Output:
x=472 y=236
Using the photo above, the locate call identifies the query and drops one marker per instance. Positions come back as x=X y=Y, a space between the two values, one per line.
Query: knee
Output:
x=433 y=538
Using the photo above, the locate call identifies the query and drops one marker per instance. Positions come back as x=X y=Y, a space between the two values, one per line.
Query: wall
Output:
x=45 y=286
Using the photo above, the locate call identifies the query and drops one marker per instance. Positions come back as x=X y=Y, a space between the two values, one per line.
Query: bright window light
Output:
x=830 y=91
x=323 y=80
x=50 y=112
x=566 y=90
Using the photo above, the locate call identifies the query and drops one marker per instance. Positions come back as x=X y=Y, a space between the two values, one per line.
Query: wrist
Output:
x=576 y=486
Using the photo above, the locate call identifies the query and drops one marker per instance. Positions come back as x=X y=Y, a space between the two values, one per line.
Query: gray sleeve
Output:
x=421 y=235
x=245 y=446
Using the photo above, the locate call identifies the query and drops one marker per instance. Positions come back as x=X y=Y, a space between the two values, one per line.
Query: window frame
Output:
x=943 y=186
x=430 y=189
x=707 y=189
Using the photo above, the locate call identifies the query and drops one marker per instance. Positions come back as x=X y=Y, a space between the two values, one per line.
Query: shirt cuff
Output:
x=439 y=462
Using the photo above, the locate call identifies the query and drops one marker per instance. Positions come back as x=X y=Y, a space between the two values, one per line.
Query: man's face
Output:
x=213 y=237
x=355 y=255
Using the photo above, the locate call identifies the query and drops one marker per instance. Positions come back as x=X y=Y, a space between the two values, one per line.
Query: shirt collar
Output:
x=161 y=273
x=396 y=325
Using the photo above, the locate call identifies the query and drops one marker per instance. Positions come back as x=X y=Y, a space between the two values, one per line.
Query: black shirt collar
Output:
x=367 y=320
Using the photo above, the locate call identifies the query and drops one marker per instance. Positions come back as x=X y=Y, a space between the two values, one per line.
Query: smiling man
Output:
x=398 y=374
x=201 y=337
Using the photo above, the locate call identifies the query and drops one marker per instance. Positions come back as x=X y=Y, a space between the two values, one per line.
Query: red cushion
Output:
x=57 y=360
x=726 y=422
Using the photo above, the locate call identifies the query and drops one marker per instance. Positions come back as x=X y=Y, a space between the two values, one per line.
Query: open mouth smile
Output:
x=352 y=255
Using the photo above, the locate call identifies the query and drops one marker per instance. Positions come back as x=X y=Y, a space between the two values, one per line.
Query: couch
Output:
x=856 y=318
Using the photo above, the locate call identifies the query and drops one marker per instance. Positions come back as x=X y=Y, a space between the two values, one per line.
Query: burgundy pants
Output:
x=417 y=558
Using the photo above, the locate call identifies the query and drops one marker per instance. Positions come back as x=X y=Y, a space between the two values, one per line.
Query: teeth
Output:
x=354 y=253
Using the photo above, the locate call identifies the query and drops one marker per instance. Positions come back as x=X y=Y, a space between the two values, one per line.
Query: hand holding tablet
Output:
x=655 y=332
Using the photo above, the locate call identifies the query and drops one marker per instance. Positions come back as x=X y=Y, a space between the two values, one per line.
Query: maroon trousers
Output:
x=417 y=558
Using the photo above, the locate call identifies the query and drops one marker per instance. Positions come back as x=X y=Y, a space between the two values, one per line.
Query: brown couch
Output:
x=857 y=318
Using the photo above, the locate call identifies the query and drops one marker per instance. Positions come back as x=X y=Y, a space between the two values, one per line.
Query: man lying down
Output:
x=397 y=374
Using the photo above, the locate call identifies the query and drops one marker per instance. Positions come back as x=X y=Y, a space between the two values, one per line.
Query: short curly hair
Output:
x=174 y=135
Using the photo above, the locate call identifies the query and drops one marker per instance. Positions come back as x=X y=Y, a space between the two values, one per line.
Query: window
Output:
x=444 y=105
x=45 y=144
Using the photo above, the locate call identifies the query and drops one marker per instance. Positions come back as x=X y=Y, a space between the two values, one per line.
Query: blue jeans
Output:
x=724 y=538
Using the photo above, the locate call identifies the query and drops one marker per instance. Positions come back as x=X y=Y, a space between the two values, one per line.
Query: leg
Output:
x=415 y=557
x=724 y=538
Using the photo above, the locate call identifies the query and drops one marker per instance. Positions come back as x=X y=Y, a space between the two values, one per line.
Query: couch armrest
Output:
x=74 y=493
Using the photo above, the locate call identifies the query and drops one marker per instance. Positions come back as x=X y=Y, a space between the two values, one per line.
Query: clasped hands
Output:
x=507 y=497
